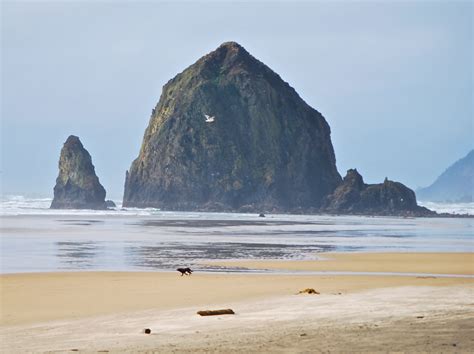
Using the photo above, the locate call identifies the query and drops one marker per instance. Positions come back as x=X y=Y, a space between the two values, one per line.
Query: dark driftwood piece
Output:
x=216 y=312
x=309 y=291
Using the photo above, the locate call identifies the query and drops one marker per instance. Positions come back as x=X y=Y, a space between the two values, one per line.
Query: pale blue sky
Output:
x=393 y=79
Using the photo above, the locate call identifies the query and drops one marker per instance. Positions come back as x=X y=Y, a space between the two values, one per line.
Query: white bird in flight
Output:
x=209 y=119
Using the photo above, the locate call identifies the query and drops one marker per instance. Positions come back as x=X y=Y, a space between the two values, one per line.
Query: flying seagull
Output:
x=209 y=119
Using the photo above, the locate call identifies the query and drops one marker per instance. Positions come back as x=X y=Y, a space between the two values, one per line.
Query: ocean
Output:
x=37 y=239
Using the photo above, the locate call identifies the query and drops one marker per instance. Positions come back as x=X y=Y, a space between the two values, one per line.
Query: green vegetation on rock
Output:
x=266 y=150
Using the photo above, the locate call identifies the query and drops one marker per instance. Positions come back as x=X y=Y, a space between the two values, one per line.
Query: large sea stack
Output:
x=77 y=186
x=265 y=148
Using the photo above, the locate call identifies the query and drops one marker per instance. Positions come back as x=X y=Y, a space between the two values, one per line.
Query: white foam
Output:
x=20 y=205
x=451 y=208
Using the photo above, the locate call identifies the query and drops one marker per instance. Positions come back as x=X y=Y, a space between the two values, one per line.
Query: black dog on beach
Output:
x=184 y=271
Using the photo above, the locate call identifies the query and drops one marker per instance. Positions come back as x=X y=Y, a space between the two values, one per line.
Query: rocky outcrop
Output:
x=456 y=184
x=353 y=196
x=228 y=134
x=261 y=148
x=110 y=204
x=77 y=186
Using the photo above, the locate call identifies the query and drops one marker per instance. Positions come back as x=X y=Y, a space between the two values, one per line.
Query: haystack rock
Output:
x=260 y=148
x=353 y=196
x=77 y=186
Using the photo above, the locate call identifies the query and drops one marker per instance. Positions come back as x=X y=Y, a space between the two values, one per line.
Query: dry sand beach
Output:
x=107 y=311
x=217 y=177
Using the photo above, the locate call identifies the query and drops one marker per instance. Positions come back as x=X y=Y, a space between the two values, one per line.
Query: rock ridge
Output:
x=455 y=184
x=353 y=196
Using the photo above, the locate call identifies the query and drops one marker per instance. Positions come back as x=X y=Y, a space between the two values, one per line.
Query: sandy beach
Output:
x=63 y=311
x=434 y=263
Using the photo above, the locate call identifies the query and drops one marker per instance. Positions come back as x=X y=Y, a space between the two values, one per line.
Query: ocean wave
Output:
x=17 y=205
x=22 y=205
x=451 y=208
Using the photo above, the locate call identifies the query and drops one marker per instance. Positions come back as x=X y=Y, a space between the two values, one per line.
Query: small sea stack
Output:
x=77 y=185
x=353 y=196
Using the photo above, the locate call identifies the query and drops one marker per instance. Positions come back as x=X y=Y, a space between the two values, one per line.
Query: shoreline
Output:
x=397 y=263
x=49 y=295
x=44 y=312
x=139 y=212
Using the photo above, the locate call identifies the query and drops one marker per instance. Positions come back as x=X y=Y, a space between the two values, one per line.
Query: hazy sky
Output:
x=393 y=79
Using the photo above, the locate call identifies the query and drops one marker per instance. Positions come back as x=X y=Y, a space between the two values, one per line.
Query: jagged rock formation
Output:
x=353 y=196
x=265 y=150
x=456 y=184
x=77 y=186
x=110 y=204
x=260 y=148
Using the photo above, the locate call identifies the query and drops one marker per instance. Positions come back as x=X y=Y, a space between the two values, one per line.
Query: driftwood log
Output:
x=216 y=312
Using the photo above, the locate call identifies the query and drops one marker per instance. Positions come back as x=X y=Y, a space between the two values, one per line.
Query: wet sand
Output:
x=437 y=263
x=64 y=311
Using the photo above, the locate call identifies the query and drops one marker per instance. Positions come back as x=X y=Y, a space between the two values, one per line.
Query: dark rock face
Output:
x=353 y=196
x=77 y=186
x=110 y=204
x=456 y=184
x=265 y=150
